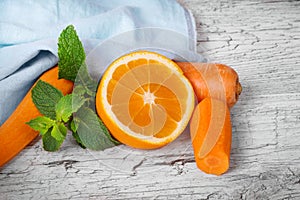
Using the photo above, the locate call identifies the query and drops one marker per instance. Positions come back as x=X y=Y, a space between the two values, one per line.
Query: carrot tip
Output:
x=239 y=88
x=214 y=165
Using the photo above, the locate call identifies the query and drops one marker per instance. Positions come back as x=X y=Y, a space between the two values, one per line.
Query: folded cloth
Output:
x=29 y=31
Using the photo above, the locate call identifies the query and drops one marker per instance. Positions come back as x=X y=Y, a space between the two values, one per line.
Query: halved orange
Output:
x=144 y=100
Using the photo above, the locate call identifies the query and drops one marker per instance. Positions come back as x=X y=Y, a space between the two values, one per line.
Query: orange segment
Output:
x=144 y=100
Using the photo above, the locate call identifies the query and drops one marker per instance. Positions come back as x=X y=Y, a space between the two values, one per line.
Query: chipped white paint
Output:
x=261 y=40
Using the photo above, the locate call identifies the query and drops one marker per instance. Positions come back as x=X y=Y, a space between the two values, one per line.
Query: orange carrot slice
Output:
x=210 y=130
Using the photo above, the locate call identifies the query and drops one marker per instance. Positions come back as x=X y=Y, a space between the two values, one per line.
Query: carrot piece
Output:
x=213 y=80
x=14 y=133
x=210 y=130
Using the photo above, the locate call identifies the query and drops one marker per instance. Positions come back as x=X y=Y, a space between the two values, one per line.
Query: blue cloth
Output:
x=29 y=31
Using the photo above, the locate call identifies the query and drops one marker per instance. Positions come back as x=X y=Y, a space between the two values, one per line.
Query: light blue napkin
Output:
x=29 y=31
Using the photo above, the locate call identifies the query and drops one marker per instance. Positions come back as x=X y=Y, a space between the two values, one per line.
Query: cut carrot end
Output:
x=216 y=165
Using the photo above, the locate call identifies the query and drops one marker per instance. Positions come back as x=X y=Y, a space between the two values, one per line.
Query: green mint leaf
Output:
x=71 y=54
x=107 y=133
x=78 y=140
x=85 y=80
x=49 y=142
x=67 y=105
x=72 y=126
x=45 y=98
x=59 y=132
x=41 y=124
x=77 y=102
x=64 y=108
x=79 y=90
x=91 y=132
x=80 y=97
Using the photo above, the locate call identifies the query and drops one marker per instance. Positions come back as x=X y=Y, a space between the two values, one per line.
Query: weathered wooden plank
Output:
x=261 y=40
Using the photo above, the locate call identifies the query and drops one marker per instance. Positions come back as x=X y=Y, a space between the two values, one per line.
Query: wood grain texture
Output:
x=261 y=41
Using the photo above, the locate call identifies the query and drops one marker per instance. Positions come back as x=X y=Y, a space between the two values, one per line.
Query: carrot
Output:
x=213 y=80
x=217 y=88
x=14 y=133
x=210 y=130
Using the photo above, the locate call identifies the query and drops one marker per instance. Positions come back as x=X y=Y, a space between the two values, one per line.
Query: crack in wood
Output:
x=134 y=172
x=183 y=161
x=67 y=163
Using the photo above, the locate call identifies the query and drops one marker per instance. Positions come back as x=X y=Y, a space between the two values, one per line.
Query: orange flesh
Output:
x=150 y=98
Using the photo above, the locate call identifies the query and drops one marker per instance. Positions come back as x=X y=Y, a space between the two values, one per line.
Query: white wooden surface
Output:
x=261 y=40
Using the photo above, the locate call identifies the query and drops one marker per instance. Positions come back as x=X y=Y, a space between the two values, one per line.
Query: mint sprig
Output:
x=73 y=112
